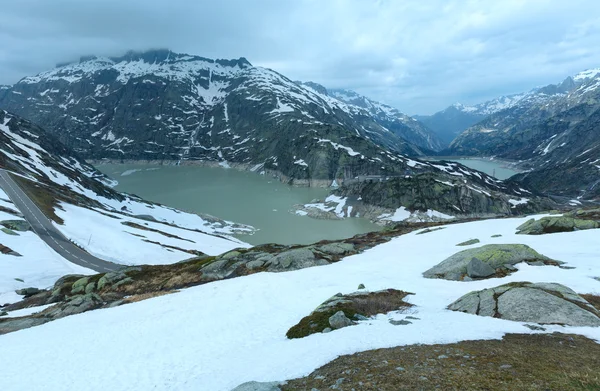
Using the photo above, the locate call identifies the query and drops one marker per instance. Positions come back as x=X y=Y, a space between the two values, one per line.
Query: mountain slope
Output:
x=406 y=127
x=550 y=133
x=452 y=121
x=110 y=225
x=160 y=105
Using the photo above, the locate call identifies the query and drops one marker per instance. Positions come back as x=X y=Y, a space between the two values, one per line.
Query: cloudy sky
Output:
x=417 y=55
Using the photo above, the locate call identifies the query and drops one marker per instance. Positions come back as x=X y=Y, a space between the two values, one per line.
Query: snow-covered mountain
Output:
x=452 y=121
x=553 y=130
x=391 y=118
x=75 y=196
x=159 y=105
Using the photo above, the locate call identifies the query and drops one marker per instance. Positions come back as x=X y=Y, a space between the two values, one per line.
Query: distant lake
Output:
x=497 y=168
x=239 y=196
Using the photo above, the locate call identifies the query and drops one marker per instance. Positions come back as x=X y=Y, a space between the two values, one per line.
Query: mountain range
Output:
x=163 y=106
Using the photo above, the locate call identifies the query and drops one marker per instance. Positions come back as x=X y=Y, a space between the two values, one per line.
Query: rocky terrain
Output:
x=75 y=294
x=549 y=131
x=455 y=119
x=520 y=362
x=164 y=106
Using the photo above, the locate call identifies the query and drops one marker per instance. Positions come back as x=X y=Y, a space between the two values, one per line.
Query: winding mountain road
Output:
x=48 y=232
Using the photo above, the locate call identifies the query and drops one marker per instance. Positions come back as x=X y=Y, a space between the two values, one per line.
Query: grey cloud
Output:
x=419 y=56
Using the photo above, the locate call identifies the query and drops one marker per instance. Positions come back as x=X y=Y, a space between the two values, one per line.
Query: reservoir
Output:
x=238 y=196
x=497 y=168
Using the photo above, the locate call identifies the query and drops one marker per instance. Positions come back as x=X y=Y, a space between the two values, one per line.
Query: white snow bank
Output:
x=38 y=267
x=403 y=214
x=107 y=238
x=216 y=336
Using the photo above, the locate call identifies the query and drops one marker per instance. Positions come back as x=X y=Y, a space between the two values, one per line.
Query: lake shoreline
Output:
x=256 y=168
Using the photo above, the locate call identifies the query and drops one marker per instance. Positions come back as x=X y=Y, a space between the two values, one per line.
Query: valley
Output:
x=176 y=222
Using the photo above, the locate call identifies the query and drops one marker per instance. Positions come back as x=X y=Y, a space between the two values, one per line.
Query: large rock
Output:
x=257 y=386
x=295 y=259
x=339 y=320
x=16 y=225
x=545 y=303
x=479 y=269
x=554 y=224
x=479 y=262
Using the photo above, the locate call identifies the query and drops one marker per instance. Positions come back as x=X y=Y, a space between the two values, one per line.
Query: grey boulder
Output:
x=339 y=320
x=493 y=256
x=258 y=386
x=544 y=303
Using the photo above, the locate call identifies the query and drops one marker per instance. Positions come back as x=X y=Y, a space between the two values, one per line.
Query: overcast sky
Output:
x=417 y=55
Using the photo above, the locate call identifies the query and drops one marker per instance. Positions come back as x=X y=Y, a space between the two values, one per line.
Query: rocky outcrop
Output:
x=544 y=303
x=430 y=193
x=487 y=261
x=130 y=107
x=553 y=224
x=77 y=293
x=341 y=311
x=553 y=134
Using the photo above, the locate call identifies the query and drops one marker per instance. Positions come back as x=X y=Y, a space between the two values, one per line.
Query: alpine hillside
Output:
x=452 y=121
x=406 y=127
x=163 y=106
x=75 y=199
x=552 y=131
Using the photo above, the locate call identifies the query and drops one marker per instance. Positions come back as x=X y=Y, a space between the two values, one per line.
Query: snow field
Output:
x=215 y=336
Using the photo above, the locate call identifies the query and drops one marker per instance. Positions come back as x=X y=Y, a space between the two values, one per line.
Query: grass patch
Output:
x=367 y=304
x=518 y=362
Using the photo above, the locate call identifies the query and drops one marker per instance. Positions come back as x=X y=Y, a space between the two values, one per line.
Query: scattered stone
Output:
x=257 y=386
x=339 y=320
x=543 y=303
x=79 y=285
x=16 y=225
x=231 y=255
x=111 y=278
x=89 y=288
x=327 y=330
x=412 y=318
x=361 y=286
x=535 y=328
x=428 y=230
x=9 y=232
x=295 y=259
x=400 y=369
x=496 y=256
x=469 y=242
x=3 y=313
x=506 y=366
x=553 y=224
x=442 y=357
x=27 y=291
x=337 y=248
x=252 y=265
x=399 y=322
x=19 y=279
x=340 y=310
x=496 y=236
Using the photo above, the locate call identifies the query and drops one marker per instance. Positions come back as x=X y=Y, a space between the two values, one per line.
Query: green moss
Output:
x=319 y=320
x=366 y=305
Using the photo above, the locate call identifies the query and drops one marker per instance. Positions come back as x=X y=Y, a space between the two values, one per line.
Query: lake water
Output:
x=496 y=168
x=239 y=196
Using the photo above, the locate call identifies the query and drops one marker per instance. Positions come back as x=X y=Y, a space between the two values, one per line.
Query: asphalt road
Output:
x=48 y=232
